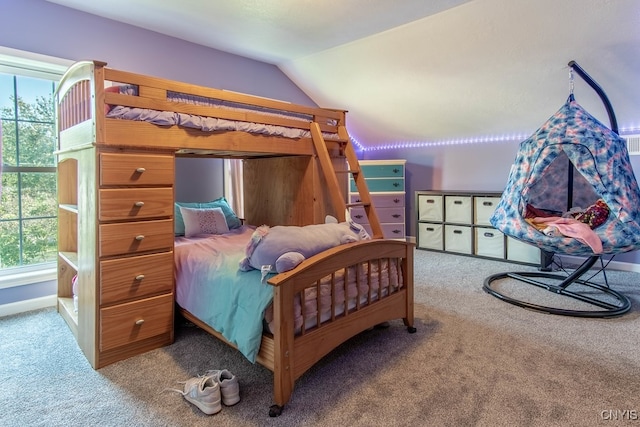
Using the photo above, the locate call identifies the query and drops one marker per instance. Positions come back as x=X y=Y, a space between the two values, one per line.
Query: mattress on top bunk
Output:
x=211 y=124
x=238 y=304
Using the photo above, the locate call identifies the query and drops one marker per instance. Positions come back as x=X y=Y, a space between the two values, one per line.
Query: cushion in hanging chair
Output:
x=572 y=150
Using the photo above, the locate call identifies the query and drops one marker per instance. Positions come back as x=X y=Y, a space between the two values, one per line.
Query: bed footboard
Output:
x=383 y=272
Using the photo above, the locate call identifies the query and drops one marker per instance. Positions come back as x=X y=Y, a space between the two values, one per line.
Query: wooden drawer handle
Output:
x=139 y=277
x=140 y=170
x=396 y=200
x=139 y=237
x=358 y=216
x=396 y=215
x=139 y=204
x=139 y=322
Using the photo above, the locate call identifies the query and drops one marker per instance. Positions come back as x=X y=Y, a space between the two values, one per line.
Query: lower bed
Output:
x=264 y=319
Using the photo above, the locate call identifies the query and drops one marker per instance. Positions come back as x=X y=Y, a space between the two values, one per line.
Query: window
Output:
x=28 y=197
x=233 y=185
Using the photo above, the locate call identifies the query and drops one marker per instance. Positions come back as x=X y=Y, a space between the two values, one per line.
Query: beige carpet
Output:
x=474 y=361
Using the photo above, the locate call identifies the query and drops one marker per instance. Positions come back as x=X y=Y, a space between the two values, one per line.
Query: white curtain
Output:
x=233 y=185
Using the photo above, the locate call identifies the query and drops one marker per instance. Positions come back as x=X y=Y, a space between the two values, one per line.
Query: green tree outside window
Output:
x=28 y=223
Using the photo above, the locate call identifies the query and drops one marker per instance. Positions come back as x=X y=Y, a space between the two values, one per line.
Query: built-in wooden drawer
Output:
x=134 y=237
x=384 y=215
x=382 y=170
x=381 y=184
x=393 y=231
x=389 y=231
x=386 y=200
x=135 y=203
x=135 y=321
x=125 y=279
x=136 y=169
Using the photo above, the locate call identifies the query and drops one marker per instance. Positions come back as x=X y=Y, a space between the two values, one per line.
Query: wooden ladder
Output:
x=331 y=175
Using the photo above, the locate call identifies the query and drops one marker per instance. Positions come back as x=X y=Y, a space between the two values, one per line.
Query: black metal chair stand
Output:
x=609 y=302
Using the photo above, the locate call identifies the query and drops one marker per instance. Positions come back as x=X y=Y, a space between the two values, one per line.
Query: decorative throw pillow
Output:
x=232 y=220
x=595 y=215
x=203 y=221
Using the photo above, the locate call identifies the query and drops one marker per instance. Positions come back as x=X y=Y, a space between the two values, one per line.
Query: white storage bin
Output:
x=522 y=252
x=457 y=209
x=430 y=207
x=484 y=208
x=457 y=239
x=430 y=236
x=489 y=242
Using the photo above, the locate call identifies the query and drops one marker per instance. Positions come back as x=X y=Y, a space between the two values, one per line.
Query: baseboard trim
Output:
x=27 y=305
x=613 y=265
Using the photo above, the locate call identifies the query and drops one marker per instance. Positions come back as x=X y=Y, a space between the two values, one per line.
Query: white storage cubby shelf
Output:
x=458 y=222
x=385 y=181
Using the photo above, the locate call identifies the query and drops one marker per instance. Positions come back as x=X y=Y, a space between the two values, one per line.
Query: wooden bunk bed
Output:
x=114 y=246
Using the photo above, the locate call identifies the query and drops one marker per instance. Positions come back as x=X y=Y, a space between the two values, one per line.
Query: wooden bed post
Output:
x=407 y=272
x=283 y=372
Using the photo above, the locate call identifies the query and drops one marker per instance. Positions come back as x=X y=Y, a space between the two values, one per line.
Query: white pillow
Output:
x=203 y=221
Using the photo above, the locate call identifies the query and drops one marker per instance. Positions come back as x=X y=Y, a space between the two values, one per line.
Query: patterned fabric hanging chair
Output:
x=573 y=166
x=571 y=191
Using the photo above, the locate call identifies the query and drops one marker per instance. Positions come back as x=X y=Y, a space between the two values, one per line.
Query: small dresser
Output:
x=119 y=243
x=458 y=222
x=135 y=213
x=386 y=184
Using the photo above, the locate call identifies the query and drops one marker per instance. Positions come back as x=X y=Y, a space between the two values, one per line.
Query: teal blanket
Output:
x=211 y=287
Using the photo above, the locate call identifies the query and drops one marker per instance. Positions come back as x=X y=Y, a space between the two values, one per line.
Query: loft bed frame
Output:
x=316 y=170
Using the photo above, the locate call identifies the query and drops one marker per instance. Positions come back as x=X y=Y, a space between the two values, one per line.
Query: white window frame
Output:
x=19 y=62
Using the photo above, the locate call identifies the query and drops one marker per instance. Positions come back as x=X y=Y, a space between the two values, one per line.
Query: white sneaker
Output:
x=229 y=386
x=204 y=392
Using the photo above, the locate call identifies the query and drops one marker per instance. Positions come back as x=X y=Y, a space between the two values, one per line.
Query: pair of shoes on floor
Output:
x=229 y=386
x=208 y=391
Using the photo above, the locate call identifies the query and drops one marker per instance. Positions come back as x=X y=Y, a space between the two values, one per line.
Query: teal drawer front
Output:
x=383 y=171
x=381 y=184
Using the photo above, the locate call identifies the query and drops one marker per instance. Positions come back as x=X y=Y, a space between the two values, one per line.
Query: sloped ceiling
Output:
x=421 y=71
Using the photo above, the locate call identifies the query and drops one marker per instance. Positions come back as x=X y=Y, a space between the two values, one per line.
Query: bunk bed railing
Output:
x=153 y=94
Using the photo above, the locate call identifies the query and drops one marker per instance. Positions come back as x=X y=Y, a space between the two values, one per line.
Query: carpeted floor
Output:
x=474 y=361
